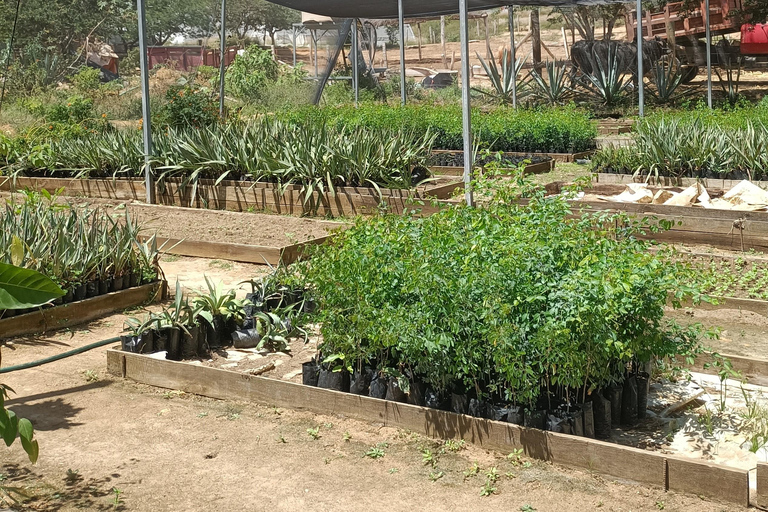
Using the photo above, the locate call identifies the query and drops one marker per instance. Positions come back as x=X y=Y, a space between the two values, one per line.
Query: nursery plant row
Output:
x=87 y=252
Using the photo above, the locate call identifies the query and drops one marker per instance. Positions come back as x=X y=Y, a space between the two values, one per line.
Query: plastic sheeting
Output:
x=381 y=9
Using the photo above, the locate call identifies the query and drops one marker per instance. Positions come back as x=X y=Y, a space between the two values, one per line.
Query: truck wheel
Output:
x=689 y=72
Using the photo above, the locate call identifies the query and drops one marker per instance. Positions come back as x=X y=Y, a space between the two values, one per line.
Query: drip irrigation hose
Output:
x=64 y=355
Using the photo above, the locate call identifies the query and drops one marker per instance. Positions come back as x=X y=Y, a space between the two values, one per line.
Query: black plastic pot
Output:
x=515 y=415
x=629 y=401
x=360 y=382
x=394 y=392
x=642 y=395
x=418 y=394
x=133 y=280
x=613 y=394
x=202 y=341
x=189 y=342
x=338 y=381
x=104 y=286
x=556 y=423
x=137 y=344
x=118 y=283
x=174 y=344
x=69 y=296
x=589 y=419
x=245 y=338
x=80 y=292
x=216 y=333
x=433 y=400
x=495 y=412
x=91 y=289
x=459 y=403
x=577 y=421
x=310 y=372
x=378 y=387
x=601 y=411
x=476 y=408
x=536 y=419
x=161 y=340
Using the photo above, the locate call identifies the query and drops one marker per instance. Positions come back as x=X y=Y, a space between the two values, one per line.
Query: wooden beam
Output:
x=627 y=463
x=761 y=494
x=80 y=312
x=710 y=480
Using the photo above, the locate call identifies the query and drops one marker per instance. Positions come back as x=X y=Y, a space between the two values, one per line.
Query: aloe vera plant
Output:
x=668 y=79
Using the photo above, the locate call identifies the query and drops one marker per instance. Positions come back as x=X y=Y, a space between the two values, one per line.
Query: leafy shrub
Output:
x=250 y=73
x=507 y=299
x=86 y=80
x=561 y=130
x=75 y=110
x=187 y=106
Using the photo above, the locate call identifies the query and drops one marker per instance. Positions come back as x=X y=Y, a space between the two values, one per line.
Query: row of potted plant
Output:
x=514 y=304
x=191 y=328
x=87 y=252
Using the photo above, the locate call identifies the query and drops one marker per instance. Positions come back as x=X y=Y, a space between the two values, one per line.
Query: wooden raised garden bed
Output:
x=621 y=179
x=244 y=195
x=246 y=237
x=614 y=126
x=74 y=313
x=652 y=468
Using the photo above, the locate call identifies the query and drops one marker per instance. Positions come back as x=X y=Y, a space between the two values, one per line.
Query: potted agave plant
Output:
x=140 y=339
x=221 y=311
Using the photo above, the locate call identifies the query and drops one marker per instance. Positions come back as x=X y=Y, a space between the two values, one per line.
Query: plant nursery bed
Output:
x=246 y=195
x=725 y=229
x=670 y=472
x=78 y=312
x=245 y=237
x=614 y=126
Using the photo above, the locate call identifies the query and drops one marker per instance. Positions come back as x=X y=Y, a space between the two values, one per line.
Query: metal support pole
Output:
x=294 y=46
x=10 y=53
x=512 y=52
x=222 y=49
x=640 y=91
x=401 y=25
x=709 y=57
x=355 y=71
x=466 y=103
x=146 y=118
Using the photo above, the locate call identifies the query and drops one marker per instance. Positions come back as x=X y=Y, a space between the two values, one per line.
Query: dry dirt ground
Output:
x=110 y=444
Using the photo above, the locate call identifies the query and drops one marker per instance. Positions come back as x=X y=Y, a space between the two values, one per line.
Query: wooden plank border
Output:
x=451 y=170
x=715 y=183
x=81 y=311
x=257 y=254
x=652 y=468
x=241 y=196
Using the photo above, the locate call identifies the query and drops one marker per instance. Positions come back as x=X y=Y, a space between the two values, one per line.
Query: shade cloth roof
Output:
x=414 y=8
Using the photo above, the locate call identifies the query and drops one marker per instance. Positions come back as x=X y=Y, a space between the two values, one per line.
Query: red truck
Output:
x=686 y=32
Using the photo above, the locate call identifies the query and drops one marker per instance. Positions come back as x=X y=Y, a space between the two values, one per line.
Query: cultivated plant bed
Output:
x=87 y=252
x=80 y=311
x=669 y=472
x=524 y=313
x=247 y=237
x=670 y=181
x=246 y=195
x=456 y=158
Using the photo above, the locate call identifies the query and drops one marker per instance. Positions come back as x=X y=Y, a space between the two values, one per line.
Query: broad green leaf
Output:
x=9 y=427
x=25 y=429
x=22 y=288
x=32 y=449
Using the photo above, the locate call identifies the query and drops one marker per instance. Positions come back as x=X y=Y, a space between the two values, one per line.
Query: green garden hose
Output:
x=64 y=355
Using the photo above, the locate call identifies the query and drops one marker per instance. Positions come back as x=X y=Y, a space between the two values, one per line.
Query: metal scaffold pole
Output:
x=146 y=117
x=466 y=102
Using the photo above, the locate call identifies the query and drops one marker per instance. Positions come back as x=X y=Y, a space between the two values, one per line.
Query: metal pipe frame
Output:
x=401 y=25
x=146 y=118
x=466 y=101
